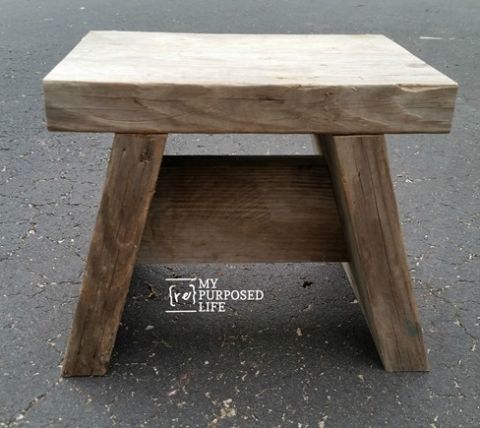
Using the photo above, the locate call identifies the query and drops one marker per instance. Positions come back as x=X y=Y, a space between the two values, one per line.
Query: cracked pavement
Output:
x=301 y=358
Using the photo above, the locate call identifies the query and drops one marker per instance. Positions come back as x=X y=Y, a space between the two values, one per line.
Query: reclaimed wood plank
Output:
x=228 y=83
x=378 y=268
x=239 y=209
x=129 y=186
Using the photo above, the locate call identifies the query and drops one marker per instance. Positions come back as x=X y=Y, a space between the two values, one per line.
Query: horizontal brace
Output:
x=243 y=209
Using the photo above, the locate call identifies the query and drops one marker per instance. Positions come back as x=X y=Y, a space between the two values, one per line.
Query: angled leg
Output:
x=129 y=186
x=317 y=149
x=378 y=270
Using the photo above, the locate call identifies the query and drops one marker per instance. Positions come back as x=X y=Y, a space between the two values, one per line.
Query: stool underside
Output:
x=250 y=208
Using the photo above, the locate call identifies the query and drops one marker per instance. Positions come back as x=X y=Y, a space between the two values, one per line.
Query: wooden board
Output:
x=129 y=186
x=228 y=83
x=243 y=209
x=378 y=268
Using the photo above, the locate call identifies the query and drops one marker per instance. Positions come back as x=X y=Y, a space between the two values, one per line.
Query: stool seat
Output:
x=138 y=82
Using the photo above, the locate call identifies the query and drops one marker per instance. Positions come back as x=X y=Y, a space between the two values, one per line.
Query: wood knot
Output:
x=146 y=155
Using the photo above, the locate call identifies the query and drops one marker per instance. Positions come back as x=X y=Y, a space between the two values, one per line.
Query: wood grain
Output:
x=129 y=186
x=243 y=209
x=378 y=268
x=228 y=83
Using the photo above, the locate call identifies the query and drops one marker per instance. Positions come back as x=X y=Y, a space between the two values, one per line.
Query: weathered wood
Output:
x=378 y=268
x=167 y=82
x=239 y=209
x=129 y=186
x=317 y=149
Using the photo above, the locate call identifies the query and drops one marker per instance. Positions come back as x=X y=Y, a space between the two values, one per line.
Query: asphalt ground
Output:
x=301 y=357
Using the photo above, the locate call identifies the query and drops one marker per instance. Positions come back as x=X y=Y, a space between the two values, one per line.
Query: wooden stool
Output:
x=337 y=208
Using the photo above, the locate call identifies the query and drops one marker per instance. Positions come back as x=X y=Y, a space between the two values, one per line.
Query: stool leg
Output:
x=378 y=269
x=129 y=186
